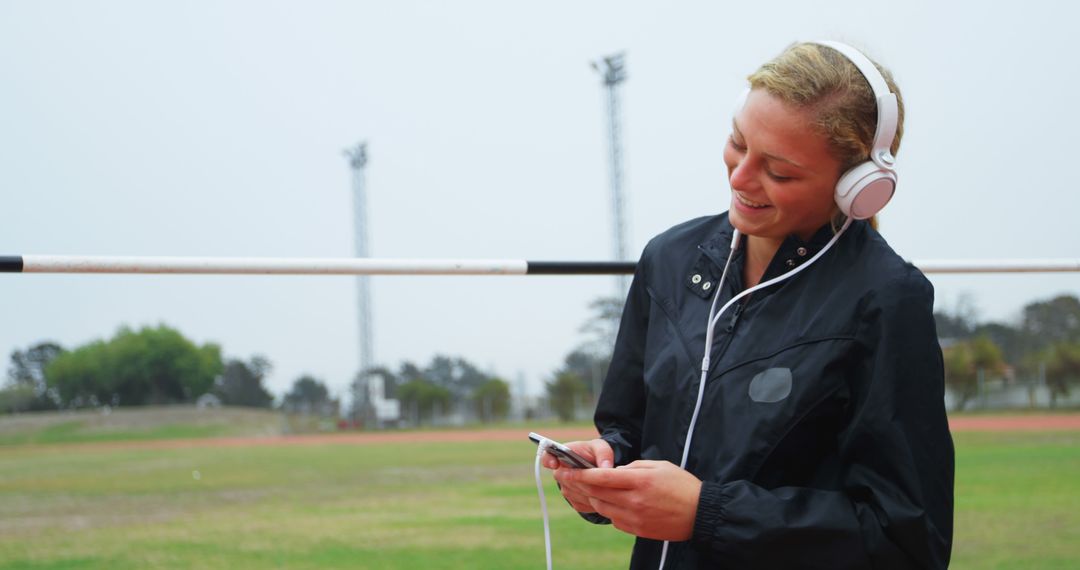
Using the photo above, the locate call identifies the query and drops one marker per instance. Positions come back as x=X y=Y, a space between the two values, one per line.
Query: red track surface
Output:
x=1045 y=422
x=1048 y=422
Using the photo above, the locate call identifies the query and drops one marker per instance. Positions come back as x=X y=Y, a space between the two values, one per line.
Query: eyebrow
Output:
x=735 y=127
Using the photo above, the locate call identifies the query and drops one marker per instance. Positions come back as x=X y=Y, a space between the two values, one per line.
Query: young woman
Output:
x=820 y=439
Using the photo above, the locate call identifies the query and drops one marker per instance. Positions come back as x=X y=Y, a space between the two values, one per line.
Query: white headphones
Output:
x=865 y=189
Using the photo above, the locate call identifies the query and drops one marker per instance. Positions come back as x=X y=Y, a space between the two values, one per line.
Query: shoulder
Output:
x=893 y=273
x=677 y=249
x=888 y=287
x=879 y=271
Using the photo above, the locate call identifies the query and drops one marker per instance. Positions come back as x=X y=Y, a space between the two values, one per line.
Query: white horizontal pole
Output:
x=997 y=265
x=270 y=266
x=374 y=266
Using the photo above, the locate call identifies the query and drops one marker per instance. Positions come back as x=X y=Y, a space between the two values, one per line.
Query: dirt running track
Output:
x=1047 y=422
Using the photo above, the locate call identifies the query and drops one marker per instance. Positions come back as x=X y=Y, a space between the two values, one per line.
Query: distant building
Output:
x=208 y=400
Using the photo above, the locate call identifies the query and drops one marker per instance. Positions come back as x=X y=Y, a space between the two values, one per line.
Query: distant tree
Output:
x=602 y=325
x=950 y=326
x=565 y=392
x=28 y=389
x=584 y=368
x=83 y=377
x=423 y=397
x=1062 y=361
x=241 y=383
x=1010 y=339
x=987 y=355
x=590 y=367
x=492 y=400
x=1024 y=344
x=160 y=366
x=16 y=398
x=28 y=366
x=1051 y=322
x=154 y=365
x=459 y=376
x=308 y=395
x=960 y=322
x=444 y=383
x=963 y=362
x=408 y=372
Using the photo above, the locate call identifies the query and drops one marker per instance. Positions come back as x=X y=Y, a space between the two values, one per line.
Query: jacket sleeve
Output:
x=894 y=505
x=620 y=409
x=622 y=398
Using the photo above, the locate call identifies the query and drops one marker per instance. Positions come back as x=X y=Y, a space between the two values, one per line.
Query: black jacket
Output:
x=822 y=440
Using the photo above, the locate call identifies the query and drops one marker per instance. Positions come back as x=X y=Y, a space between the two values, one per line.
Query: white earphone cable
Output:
x=541 y=449
x=705 y=365
x=713 y=319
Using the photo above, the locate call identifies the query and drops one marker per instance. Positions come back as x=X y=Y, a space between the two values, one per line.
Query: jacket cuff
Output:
x=619 y=448
x=709 y=512
x=595 y=518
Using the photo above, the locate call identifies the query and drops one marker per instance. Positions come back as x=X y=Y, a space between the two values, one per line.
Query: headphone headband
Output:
x=865 y=189
x=866 y=67
x=888 y=112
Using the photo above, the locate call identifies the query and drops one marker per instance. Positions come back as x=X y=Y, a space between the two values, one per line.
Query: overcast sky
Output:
x=216 y=129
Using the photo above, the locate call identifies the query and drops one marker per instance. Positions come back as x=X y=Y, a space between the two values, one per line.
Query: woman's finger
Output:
x=549 y=461
x=579 y=501
x=603 y=455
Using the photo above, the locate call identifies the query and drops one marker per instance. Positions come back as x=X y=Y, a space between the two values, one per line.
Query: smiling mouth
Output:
x=748 y=203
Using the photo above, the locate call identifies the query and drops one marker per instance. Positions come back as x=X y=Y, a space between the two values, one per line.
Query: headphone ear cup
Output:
x=864 y=190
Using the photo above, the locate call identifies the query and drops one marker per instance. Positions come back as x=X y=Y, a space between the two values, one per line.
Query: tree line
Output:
x=149 y=366
x=574 y=386
x=159 y=366
x=445 y=386
x=1043 y=345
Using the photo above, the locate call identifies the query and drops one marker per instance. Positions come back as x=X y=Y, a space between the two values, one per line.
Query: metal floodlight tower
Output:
x=358 y=161
x=612 y=70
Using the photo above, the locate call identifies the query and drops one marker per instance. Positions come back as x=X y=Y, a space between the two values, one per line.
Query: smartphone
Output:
x=563 y=453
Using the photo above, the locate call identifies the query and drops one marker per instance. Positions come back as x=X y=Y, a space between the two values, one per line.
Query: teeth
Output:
x=746 y=202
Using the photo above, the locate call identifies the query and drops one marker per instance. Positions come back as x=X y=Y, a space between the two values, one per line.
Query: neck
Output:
x=759 y=252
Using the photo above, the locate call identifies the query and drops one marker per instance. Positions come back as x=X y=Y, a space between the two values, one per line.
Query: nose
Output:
x=741 y=175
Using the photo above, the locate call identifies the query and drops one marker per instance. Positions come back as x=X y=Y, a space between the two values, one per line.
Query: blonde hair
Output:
x=824 y=82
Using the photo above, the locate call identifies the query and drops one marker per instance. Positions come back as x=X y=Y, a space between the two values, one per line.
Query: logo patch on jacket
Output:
x=771 y=385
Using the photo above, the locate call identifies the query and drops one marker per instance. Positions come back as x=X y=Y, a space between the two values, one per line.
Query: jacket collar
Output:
x=792 y=253
x=717 y=245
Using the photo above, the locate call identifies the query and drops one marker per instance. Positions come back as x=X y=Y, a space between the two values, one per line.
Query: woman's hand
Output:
x=650 y=499
x=599 y=452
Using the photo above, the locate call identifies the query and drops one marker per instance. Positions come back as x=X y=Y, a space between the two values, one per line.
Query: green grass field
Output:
x=429 y=506
x=138 y=424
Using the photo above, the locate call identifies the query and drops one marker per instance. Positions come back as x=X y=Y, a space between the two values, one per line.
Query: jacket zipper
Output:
x=735 y=316
x=730 y=328
x=726 y=341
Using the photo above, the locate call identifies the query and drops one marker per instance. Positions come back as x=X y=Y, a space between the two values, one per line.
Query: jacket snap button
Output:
x=801 y=251
x=791 y=263
x=695 y=279
x=705 y=286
